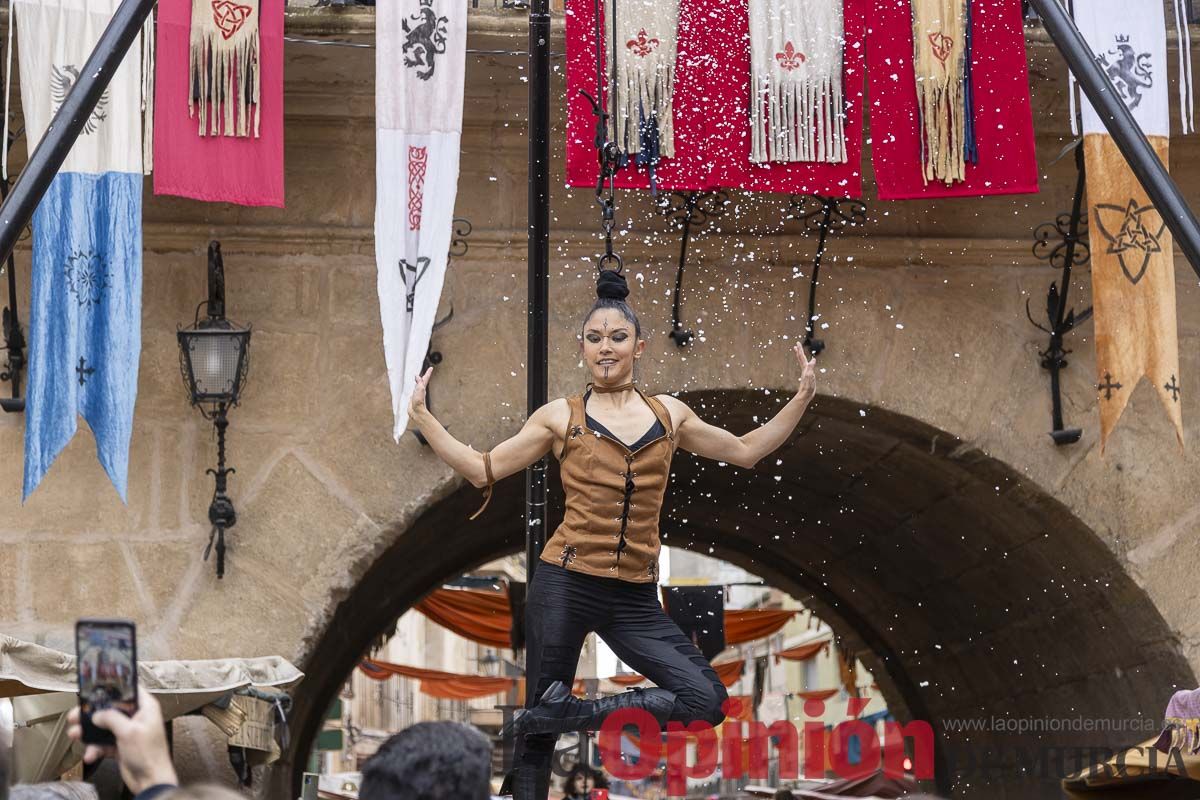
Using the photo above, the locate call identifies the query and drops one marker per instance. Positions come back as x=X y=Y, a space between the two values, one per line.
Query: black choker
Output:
x=607 y=389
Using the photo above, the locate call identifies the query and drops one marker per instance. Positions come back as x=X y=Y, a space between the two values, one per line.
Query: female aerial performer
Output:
x=599 y=571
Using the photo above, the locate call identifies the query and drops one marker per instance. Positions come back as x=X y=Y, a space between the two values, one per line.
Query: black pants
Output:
x=564 y=606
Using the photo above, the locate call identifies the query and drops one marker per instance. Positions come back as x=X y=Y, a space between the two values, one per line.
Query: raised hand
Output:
x=416 y=405
x=141 y=746
x=808 y=379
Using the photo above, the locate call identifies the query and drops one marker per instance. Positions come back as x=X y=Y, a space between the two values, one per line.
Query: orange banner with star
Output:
x=1133 y=286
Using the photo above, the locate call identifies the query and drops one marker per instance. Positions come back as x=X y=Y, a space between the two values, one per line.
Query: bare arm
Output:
x=704 y=439
x=510 y=456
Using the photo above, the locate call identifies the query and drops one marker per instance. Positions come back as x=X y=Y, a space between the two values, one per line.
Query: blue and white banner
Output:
x=85 y=309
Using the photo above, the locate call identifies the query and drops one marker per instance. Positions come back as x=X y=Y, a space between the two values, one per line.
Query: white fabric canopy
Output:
x=40 y=684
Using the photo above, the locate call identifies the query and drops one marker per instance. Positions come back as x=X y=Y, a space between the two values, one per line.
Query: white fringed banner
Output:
x=796 y=109
x=646 y=43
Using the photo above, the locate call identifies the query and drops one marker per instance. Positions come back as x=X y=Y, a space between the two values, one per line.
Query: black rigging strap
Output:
x=606 y=149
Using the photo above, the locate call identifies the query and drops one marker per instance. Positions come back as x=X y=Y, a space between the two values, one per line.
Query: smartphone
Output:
x=106 y=664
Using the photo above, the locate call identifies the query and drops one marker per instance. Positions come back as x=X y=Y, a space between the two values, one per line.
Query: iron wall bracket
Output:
x=823 y=216
x=1063 y=244
x=688 y=210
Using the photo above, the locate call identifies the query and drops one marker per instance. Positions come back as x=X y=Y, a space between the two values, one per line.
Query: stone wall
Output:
x=931 y=378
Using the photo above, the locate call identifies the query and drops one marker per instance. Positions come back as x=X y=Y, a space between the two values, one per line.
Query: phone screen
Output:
x=107 y=665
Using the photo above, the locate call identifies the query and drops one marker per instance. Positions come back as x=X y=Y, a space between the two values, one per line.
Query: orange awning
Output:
x=485 y=617
x=817 y=694
x=627 y=680
x=480 y=616
x=803 y=652
x=436 y=683
x=747 y=624
x=728 y=672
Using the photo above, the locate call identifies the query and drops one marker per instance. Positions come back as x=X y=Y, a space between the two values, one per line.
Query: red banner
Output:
x=246 y=170
x=1000 y=87
x=711 y=107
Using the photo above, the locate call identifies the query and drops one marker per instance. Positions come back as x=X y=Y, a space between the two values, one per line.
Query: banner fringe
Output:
x=225 y=84
x=797 y=121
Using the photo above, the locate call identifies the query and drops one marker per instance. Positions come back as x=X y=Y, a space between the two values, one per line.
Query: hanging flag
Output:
x=420 y=64
x=223 y=67
x=922 y=132
x=711 y=106
x=85 y=305
x=796 y=109
x=644 y=49
x=1133 y=269
x=218 y=101
x=940 y=69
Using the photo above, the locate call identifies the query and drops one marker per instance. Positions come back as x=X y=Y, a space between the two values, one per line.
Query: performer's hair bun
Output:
x=611 y=285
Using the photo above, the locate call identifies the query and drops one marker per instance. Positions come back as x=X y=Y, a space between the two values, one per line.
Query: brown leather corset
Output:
x=613 y=499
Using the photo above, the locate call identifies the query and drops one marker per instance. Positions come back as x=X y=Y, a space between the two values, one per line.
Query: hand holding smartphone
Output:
x=106 y=664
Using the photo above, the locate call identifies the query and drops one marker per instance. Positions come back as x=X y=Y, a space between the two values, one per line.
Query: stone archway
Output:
x=969 y=592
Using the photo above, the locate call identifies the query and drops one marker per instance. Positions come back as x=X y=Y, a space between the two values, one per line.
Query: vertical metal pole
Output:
x=539 y=265
x=64 y=128
x=1119 y=122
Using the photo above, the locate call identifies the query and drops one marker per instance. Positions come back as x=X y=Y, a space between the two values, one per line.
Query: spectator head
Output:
x=784 y=794
x=582 y=774
x=430 y=761
x=58 y=790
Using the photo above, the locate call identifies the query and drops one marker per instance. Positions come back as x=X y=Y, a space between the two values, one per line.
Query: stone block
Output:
x=354 y=298
x=381 y=475
x=275 y=294
x=356 y=391
x=326 y=186
x=172 y=286
x=1170 y=586
x=162 y=395
x=1143 y=480
x=291 y=525
x=283 y=383
x=960 y=326
x=163 y=567
x=832 y=455
x=244 y=614
x=73 y=579
x=1073 y=554
x=858 y=309
x=9 y=601
x=906 y=480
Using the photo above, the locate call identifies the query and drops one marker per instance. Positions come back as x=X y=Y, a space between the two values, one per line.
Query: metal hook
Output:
x=609 y=257
x=690 y=210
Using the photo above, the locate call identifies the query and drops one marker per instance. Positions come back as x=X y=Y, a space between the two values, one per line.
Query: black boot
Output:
x=527 y=782
x=559 y=711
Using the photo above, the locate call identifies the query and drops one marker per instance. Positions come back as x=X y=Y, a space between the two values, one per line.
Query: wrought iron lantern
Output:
x=213 y=357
